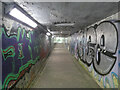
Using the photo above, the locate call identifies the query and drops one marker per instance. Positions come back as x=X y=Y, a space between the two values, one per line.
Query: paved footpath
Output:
x=61 y=72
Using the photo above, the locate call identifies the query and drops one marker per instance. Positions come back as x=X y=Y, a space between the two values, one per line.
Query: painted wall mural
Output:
x=97 y=47
x=21 y=49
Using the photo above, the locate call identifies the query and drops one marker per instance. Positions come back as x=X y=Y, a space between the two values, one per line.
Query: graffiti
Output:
x=20 y=48
x=8 y=52
x=97 y=47
x=91 y=41
x=11 y=78
x=107 y=83
x=115 y=79
x=100 y=79
x=80 y=51
x=106 y=47
x=90 y=68
x=30 y=51
x=15 y=51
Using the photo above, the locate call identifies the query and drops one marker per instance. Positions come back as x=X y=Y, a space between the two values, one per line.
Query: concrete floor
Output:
x=61 y=72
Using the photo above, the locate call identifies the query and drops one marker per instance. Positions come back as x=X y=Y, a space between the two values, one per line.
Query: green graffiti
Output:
x=3 y=31
x=12 y=76
x=12 y=36
x=28 y=63
x=23 y=33
x=9 y=78
x=8 y=52
x=30 y=49
x=17 y=36
x=20 y=49
x=29 y=36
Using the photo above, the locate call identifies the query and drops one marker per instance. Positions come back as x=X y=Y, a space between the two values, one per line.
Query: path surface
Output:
x=61 y=72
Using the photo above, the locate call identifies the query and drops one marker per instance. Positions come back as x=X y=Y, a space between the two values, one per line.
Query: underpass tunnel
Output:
x=59 y=45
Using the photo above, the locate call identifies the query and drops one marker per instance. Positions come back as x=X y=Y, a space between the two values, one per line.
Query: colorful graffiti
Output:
x=20 y=48
x=8 y=52
x=94 y=46
x=115 y=79
x=20 y=51
x=97 y=48
x=107 y=83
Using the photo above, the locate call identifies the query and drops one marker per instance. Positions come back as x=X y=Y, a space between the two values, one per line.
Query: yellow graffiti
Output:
x=115 y=81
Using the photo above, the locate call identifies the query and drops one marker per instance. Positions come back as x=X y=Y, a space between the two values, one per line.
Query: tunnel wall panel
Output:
x=97 y=48
x=23 y=52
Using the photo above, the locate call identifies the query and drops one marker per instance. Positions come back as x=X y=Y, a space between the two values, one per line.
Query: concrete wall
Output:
x=24 y=51
x=97 y=49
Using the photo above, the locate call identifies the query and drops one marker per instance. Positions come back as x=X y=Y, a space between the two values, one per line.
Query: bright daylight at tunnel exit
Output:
x=67 y=44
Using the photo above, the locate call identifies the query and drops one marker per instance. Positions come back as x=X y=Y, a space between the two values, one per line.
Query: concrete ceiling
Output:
x=82 y=13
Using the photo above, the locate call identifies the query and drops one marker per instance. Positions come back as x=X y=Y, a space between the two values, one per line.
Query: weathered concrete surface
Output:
x=61 y=72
